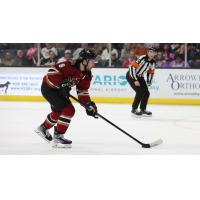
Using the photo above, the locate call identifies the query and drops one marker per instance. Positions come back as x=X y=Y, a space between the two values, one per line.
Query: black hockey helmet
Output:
x=89 y=54
x=152 y=48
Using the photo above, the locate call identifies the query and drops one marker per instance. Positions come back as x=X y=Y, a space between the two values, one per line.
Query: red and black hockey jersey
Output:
x=72 y=76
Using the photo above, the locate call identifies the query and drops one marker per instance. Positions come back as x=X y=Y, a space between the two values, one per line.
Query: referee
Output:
x=145 y=64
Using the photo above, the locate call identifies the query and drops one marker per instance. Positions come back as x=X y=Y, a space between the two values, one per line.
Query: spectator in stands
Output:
x=60 y=49
x=129 y=59
x=20 y=59
x=49 y=47
x=97 y=47
x=178 y=62
x=49 y=61
x=195 y=62
x=115 y=62
x=78 y=50
x=140 y=49
x=125 y=51
x=181 y=51
x=31 y=55
x=160 y=60
x=168 y=54
x=192 y=51
x=8 y=60
x=67 y=56
x=105 y=56
x=175 y=46
x=157 y=46
x=98 y=51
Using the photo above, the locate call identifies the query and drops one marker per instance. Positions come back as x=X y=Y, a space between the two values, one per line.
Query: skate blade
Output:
x=146 y=115
x=42 y=136
x=59 y=145
x=136 y=116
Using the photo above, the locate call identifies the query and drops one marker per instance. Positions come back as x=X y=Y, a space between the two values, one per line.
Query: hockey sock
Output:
x=65 y=118
x=51 y=119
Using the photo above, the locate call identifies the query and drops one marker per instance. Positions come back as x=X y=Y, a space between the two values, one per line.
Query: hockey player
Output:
x=55 y=88
x=135 y=77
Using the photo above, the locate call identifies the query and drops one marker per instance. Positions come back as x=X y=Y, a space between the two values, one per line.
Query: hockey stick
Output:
x=153 y=144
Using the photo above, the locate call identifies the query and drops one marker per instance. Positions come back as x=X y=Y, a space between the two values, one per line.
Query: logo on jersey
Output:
x=71 y=82
x=61 y=65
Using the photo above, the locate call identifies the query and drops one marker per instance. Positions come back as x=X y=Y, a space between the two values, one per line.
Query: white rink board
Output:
x=108 y=82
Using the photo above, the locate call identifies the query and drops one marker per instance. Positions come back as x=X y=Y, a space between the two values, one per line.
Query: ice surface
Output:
x=177 y=126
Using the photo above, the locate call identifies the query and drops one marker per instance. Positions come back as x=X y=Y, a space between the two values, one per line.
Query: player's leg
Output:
x=137 y=100
x=145 y=99
x=57 y=103
x=138 y=96
x=62 y=125
x=50 y=121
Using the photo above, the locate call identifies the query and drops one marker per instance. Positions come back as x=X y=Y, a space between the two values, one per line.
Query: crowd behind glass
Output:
x=170 y=55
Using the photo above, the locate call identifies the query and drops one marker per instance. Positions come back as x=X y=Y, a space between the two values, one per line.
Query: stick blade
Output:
x=153 y=144
x=156 y=143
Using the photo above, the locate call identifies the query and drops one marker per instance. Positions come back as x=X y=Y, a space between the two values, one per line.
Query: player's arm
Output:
x=82 y=90
x=132 y=70
x=150 y=74
x=84 y=97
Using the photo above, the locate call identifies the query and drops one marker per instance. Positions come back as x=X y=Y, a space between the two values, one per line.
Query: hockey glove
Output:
x=64 y=89
x=91 y=109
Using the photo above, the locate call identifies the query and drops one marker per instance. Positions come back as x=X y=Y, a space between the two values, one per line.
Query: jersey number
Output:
x=61 y=65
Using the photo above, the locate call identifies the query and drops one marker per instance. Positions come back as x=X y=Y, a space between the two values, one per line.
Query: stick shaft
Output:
x=102 y=117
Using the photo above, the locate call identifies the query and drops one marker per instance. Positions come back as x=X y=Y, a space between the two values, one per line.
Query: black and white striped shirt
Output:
x=142 y=66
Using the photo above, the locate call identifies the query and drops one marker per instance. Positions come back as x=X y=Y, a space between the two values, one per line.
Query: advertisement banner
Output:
x=167 y=83
x=106 y=82
x=178 y=83
x=21 y=81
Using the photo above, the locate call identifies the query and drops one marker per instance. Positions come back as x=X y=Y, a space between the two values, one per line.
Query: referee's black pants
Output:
x=142 y=92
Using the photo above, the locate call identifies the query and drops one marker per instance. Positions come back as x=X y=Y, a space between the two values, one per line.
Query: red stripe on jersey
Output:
x=49 y=83
x=151 y=71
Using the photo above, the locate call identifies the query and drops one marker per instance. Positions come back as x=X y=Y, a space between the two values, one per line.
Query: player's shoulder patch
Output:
x=62 y=64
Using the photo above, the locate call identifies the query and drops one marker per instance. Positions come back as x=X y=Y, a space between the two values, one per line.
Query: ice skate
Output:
x=44 y=133
x=146 y=113
x=60 y=142
x=136 y=113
